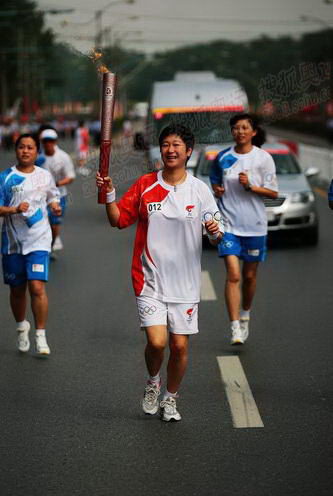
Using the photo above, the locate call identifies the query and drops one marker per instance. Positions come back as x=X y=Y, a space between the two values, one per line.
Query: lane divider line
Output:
x=244 y=411
x=207 y=289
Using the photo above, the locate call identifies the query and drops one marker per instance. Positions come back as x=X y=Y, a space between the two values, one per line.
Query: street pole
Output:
x=98 y=27
x=98 y=20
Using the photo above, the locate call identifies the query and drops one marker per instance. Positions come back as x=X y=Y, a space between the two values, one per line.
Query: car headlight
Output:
x=302 y=197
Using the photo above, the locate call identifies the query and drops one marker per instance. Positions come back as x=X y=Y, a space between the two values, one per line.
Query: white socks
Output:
x=167 y=394
x=20 y=326
x=245 y=314
x=154 y=379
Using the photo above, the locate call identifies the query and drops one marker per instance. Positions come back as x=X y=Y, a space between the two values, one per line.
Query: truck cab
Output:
x=198 y=100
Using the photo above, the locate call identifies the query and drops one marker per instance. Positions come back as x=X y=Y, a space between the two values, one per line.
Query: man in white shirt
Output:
x=60 y=165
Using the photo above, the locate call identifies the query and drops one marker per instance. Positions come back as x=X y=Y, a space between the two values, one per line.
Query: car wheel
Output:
x=311 y=236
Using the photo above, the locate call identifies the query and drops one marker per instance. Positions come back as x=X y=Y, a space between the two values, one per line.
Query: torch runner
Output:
x=108 y=100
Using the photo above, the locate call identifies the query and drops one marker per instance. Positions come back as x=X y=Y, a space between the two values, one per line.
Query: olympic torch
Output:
x=108 y=100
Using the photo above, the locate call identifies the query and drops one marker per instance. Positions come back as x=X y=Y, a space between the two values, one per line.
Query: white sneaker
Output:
x=58 y=244
x=169 y=410
x=150 y=398
x=23 y=343
x=42 y=348
x=237 y=336
x=244 y=325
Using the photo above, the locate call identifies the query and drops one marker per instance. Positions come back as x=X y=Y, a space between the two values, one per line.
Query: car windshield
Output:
x=286 y=164
x=205 y=165
x=207 y=127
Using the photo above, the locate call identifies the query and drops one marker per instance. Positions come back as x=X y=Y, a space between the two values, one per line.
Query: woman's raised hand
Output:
x=100 y=181
x=22 y=207
x=212 y=227
x=243 y=178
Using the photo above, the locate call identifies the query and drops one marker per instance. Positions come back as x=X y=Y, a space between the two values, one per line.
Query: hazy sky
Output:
x=158 y=24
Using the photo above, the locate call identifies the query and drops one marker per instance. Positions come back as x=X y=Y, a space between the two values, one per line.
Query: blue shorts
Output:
x=18 y=269
x=57 y=219
x=247 y=248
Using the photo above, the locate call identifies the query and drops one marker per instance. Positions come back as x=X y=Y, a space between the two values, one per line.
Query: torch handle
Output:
x=105 y=149
x=108 y=102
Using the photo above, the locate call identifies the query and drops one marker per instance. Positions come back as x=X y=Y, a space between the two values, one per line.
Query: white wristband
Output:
x=213 y=236
x=111 y=197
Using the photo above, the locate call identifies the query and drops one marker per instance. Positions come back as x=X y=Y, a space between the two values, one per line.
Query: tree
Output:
x=25 y=45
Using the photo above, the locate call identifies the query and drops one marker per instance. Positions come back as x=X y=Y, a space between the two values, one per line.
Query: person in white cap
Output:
x=60 y=165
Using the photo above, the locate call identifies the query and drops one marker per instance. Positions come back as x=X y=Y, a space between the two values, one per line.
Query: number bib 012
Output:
x=154 y=207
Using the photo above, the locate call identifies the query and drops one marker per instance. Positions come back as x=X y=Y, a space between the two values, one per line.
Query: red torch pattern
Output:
x=108 y=100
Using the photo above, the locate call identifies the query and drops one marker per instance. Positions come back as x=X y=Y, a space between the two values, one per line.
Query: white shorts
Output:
x=82 y=154
x=180 y=318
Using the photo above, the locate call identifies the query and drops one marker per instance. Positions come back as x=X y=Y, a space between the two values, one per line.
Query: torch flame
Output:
x=102 y=69
x=96 y=56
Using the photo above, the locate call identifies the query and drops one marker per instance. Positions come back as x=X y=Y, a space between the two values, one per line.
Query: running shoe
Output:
x=42 y=348
x=23 y=343
x=58 y=244
x=237 y=336
x=244 y=325
x=150 y=398
x=169 y=410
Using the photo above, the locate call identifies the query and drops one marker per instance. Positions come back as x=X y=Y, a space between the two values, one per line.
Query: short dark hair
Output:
x=260 y=138
x=182 y=131
x=27 y=135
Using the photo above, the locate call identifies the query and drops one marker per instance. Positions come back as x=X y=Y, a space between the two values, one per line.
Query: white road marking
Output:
x=207 y=288
x=243 y=408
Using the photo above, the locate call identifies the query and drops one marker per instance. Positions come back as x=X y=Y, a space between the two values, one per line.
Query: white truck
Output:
x=198 y=100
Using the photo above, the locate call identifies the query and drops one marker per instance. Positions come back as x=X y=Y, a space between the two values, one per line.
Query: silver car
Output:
x=295 y=207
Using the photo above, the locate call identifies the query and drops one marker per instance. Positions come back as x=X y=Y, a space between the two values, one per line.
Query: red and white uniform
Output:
x=82 y=142
x=167 y=252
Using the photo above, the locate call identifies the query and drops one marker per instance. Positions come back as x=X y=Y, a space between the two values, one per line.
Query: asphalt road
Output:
x=72 y=424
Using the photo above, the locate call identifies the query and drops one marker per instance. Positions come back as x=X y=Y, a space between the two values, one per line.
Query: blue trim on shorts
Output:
x=18 y=269
x=57 y=219
x=247 y=248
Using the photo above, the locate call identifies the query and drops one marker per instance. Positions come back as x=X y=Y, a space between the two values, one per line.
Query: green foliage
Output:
x=25 y=44
x=36 y=68
x=77 y=78
x=247 y=62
